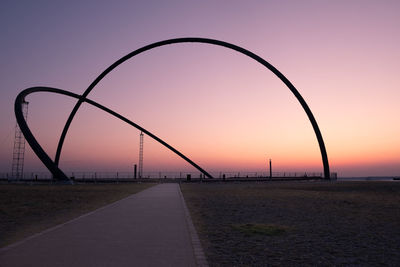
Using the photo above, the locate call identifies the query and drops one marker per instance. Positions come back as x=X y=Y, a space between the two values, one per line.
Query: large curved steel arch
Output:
x=206 y=41
x=53 y=168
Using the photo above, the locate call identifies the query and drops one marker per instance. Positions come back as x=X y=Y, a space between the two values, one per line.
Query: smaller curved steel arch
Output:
x=205 y=41
x=43 y=155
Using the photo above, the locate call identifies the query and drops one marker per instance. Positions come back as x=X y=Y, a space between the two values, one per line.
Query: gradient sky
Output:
x=218 y=107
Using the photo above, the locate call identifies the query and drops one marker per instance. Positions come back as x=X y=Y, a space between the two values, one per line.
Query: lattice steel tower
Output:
x=17 y=170
x=141 y=155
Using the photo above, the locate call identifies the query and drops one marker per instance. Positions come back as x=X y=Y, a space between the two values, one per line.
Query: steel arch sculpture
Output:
x=53 y=166
x=43 y=155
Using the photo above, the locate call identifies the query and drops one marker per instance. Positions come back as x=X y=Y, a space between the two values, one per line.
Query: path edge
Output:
x=199 y=255
x=10 y=246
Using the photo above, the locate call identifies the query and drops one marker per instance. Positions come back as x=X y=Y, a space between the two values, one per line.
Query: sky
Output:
x=218 y=107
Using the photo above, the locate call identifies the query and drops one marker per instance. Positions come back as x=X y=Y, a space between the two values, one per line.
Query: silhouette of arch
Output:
x=192 y=40
x=43 y=155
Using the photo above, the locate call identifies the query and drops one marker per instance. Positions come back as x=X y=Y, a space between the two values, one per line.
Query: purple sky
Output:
x=218 y=107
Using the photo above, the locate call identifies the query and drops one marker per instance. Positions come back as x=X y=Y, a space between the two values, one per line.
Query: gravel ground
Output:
x=325 y=224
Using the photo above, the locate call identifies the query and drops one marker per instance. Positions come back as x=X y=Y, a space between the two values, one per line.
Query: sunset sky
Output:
x=218 y=107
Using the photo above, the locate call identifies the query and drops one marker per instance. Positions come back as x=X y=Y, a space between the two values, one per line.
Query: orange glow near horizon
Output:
x=207 y=116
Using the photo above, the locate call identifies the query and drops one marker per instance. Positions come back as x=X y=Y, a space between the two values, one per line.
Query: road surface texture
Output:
x=150 y=228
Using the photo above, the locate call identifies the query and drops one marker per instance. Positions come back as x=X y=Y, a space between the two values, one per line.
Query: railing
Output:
x=42 y=176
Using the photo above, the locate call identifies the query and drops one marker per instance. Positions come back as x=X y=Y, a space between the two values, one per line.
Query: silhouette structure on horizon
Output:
x=57 y=173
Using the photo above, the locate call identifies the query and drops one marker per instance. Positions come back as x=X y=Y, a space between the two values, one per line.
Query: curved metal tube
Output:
x=43 y=155
x=206 y=41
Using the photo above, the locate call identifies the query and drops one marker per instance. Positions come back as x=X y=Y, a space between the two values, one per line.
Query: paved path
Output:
x=146 y=229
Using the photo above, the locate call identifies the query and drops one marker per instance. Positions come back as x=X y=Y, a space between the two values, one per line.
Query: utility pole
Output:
x=270 y=169
x=141 y=156
x=17 y=168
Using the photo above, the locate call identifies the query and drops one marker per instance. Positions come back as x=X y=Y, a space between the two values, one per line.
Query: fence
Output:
x=43 y=176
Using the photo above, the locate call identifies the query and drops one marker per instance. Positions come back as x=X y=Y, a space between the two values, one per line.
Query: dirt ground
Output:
x=28 y=209
x=297 y=223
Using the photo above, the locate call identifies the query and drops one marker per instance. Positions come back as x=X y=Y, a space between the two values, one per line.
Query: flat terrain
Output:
x=28 y=209
x=297 y=223
x=145 y=229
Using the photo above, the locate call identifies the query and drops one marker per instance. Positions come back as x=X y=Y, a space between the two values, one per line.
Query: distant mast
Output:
x=141 y=156
x=270 y=169
x=17 y=168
